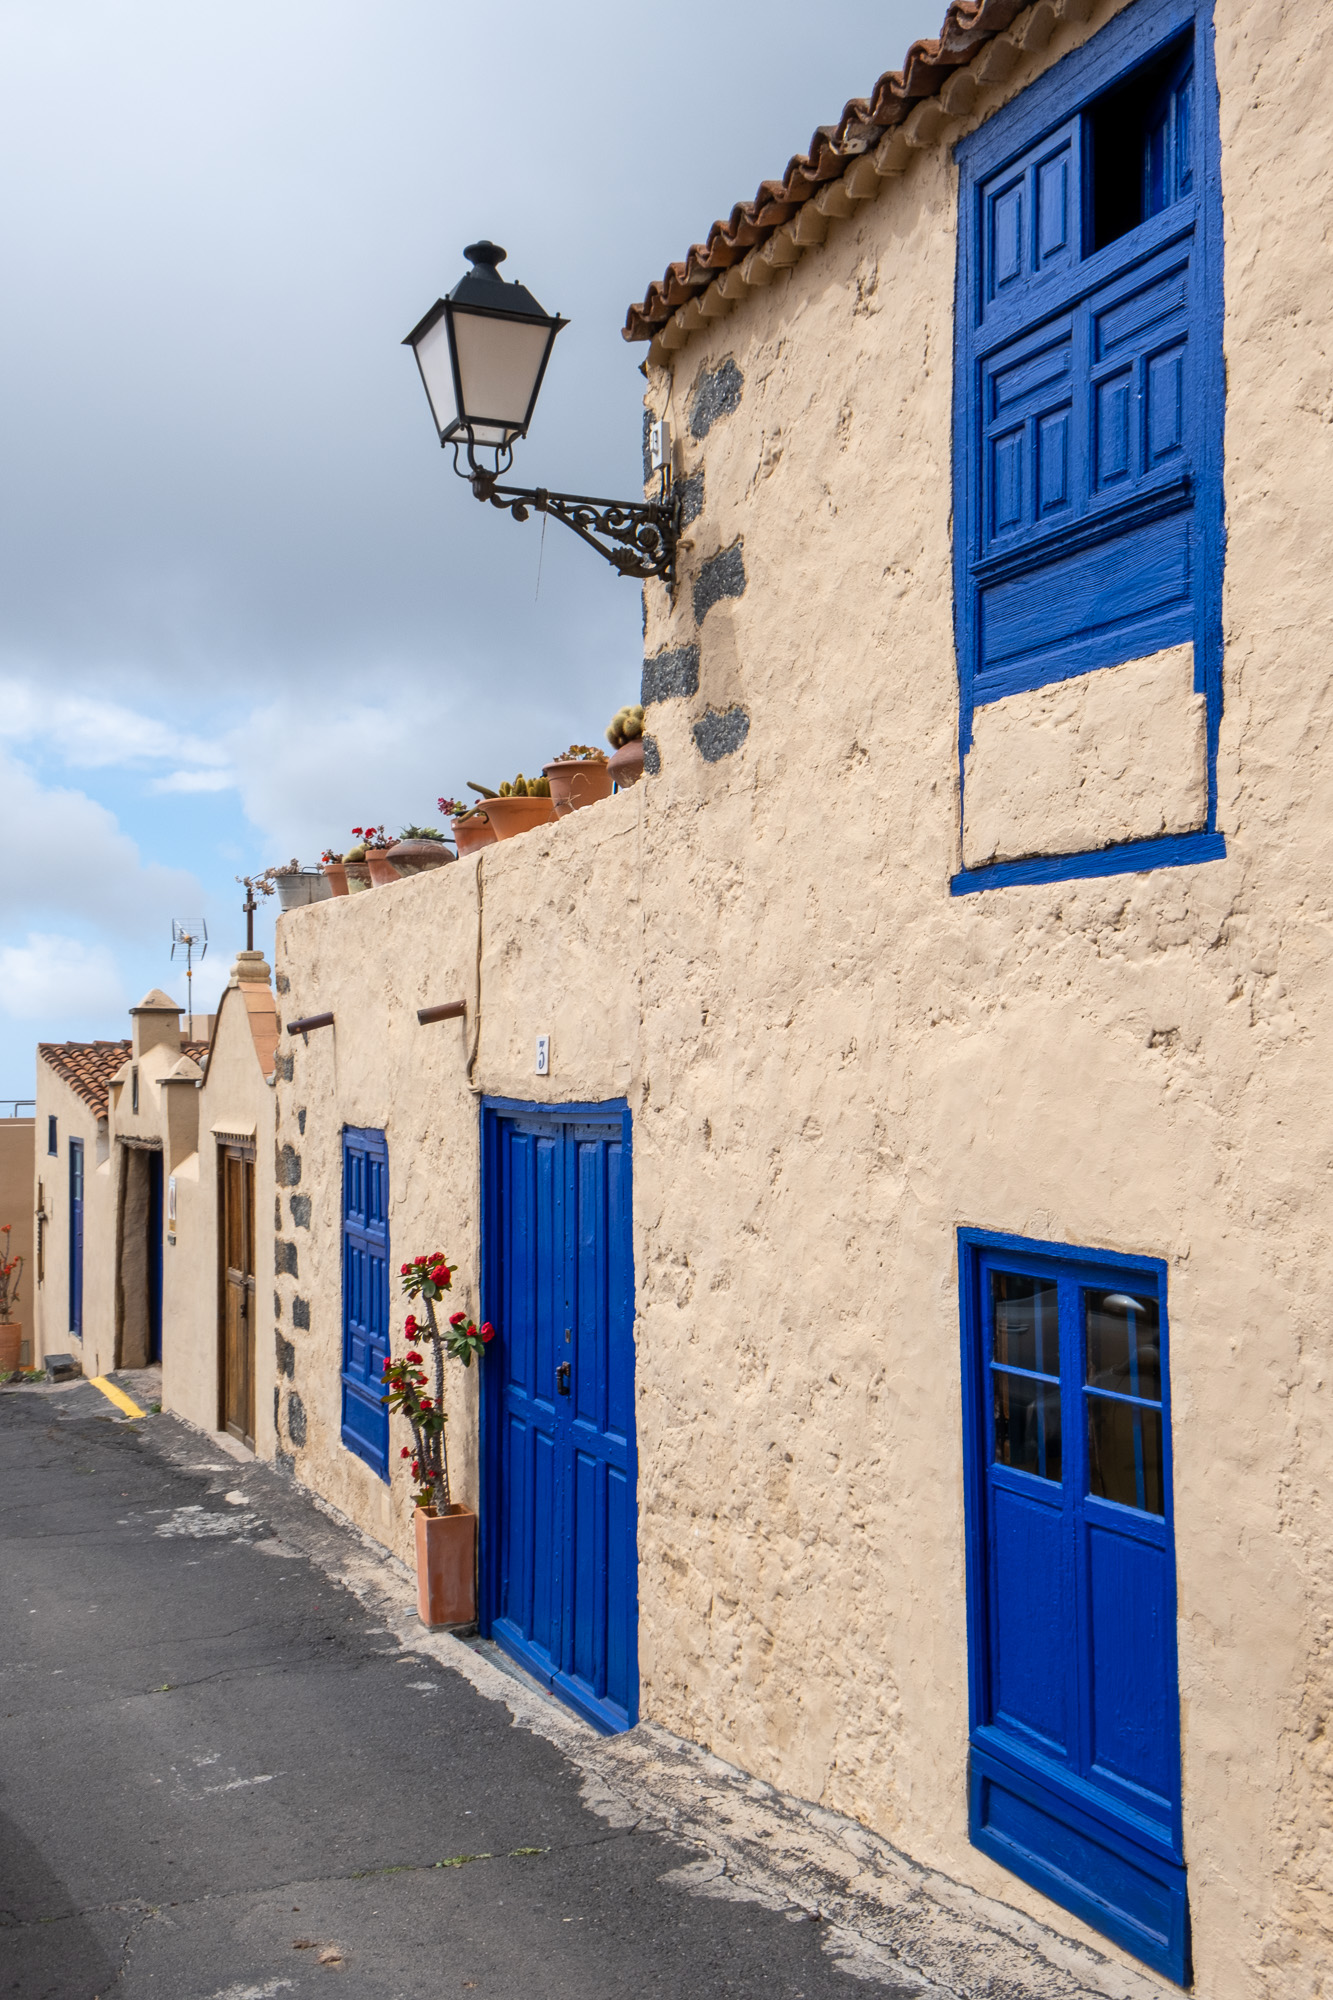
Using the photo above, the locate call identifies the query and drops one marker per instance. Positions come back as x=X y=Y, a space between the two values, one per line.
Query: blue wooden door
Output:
x=76 y=1237
x=561 y=1471
x=1075 y=1729
x=365 y=1420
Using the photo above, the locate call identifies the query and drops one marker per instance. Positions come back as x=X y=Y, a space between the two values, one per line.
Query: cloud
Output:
x=54 y=979
x=93 y=734
x=66 y=856
x=195 y=781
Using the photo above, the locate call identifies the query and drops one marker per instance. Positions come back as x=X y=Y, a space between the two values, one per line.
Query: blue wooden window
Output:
x=1089 y=387
x=365 y=1419
x=1075 y=1733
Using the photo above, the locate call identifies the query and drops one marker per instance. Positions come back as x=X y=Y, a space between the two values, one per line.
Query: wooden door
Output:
x=237 y=1244
x=560 y=1425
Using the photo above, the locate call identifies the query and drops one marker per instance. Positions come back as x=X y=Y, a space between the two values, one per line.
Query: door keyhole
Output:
x=562 y=1379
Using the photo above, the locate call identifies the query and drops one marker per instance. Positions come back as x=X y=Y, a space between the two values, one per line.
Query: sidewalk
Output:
x=236 y=1764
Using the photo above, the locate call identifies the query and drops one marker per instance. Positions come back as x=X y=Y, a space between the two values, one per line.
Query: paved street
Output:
x=222 y=1777
x=234 y=1767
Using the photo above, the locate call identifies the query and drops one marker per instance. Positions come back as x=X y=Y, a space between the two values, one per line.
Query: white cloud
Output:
x=93 y=734
x=195 y=781
x=53 y=979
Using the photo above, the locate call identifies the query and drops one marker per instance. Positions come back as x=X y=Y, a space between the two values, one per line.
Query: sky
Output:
x=244 y=603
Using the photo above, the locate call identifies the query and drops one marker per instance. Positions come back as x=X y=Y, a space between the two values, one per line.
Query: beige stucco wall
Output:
x=1120 y=754
x=16 y=1209
x=50 y=1194
x=832 y=1064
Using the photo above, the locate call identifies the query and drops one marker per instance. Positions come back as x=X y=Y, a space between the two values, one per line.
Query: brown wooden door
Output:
x=238 y=1293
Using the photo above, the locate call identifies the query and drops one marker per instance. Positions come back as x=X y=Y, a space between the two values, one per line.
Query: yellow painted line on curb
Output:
x=117 y=1396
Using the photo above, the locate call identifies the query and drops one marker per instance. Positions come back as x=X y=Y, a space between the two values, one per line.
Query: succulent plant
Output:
x=581 y=752
x=355 y=854
x=626 y=725
x=526 y=788
x=421 y=833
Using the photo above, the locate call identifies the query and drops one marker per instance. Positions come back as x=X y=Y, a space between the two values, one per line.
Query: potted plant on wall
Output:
x=578 y=777
x=470 y=830
x=417 y=849
x=446 y=1531
x=625 y=735
x=377 y=844
x=520 y=803
x=334 y=871
x=11 y=1333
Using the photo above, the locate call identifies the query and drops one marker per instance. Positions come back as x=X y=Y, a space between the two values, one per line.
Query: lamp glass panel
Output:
x=432 y=352
x=498 y=364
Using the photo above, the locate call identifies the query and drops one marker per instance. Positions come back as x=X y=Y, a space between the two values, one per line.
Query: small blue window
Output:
x=53 y=1137
x=1089 y=385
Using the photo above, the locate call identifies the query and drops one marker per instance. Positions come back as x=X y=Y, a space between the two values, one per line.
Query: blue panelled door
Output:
x=1071 y=1571
x=365 y=1420
x=562 y=1558
x=76 y=1237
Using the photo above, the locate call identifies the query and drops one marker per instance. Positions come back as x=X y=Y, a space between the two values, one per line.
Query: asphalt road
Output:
x=222 y=1779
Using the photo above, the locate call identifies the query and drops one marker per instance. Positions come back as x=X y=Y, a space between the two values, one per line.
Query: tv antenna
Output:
x=194 y=937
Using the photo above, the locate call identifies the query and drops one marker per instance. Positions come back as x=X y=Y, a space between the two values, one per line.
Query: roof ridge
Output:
x=927 y=66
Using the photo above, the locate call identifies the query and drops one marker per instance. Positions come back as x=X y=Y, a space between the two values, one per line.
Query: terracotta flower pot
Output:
x=446 y=1567
x=416 y=857
x=336 y=875
x=626 y=764
x=511 y=816
x=11 y=1346
x=358 y=876
x=382 y=870
x=472 y=833
x=577 y=781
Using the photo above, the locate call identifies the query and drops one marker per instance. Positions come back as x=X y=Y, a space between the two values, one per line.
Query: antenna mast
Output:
x=190 y=935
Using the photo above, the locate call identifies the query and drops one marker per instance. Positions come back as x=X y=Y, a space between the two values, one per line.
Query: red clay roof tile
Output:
x=88 y=1067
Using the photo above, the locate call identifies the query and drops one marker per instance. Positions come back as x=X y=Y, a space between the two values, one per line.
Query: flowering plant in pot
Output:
x=11 y=1333
x=578 y=777
x=335 y=873
x=470 y=829
x=446 y=1533
x=419 y=848
x=377 y=843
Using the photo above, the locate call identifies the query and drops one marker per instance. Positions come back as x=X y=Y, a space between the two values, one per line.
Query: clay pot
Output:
x=336 y=876
x=511 y=816
x=358 y=876
x=382 y=870
x=577 y=781
x=446 y=1567
x=626 y=764
x=416 y=857
x=472 y=833
x=11 y=1346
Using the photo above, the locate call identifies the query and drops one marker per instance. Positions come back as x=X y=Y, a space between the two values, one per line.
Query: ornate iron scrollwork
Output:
x=643 y=533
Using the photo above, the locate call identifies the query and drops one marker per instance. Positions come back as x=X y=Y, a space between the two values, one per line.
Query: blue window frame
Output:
x=365 y=1419
x=1074 y=1708
x=1089 y=388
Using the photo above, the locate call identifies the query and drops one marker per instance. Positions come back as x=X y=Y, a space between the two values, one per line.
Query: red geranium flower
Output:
x=487 y=1330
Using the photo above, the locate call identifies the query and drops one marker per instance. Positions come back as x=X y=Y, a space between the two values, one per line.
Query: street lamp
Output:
x=482 y=352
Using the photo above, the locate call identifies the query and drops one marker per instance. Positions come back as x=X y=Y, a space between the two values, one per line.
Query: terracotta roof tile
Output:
x=87 y=1067
x=927 y=67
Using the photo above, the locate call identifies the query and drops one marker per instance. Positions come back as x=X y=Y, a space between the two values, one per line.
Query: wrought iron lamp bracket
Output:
x=642 y=534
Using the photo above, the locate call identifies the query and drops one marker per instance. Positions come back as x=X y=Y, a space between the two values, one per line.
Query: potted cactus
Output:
x=625 y=735
x=520 y=803
x=446 y=1532
x=578 y=777
x=356 y=868
x=417 y=849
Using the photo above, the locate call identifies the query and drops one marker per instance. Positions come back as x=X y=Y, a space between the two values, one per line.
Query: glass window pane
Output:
x=1125 y=1454
x=1124 y=1351
x=1026 y=1321
x=1027 y=1425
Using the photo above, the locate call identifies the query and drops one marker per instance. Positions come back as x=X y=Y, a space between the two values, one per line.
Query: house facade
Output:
x=892 y=1139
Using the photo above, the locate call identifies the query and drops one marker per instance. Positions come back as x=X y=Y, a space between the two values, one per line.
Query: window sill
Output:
x=1132 y=857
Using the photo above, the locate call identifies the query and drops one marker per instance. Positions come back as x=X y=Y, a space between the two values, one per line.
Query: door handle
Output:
x=562 y=1379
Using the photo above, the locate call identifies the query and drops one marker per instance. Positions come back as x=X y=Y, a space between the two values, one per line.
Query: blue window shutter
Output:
x=1089 y=391
x=365 y=1330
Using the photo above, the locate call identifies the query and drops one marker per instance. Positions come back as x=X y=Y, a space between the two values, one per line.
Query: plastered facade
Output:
x=832 y=1064
x=50 y=1297
x=16 y=1209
